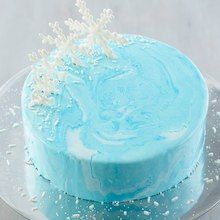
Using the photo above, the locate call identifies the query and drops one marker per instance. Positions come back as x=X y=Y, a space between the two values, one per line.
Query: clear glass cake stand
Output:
x=33 y=197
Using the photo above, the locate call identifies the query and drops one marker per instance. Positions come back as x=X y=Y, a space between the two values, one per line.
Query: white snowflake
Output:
x=95 y=32
x=82 y=39
x=43 y=88
x=65 y=44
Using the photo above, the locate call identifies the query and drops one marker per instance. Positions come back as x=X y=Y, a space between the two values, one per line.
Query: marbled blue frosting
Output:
x=120 y=129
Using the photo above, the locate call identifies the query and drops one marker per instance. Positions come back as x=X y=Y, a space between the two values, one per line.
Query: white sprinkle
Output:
x=217 y=161
x=76 y=216
x=43 y=194
x=15 y=125
x=217 y=177
x=125 y=213
x=60 y=196
x=57 y=214
x=174 y=199
x=205 y=179
x=90 y=78
x=166 y=213
x=156 y=203
x=12 y=111
x=34 y=209
x=56 y=122
x=33 y=199
x=190 y=201
x=23 y=195
x=50 y=139
x=146 y=213
x=148 y=199
x=8 y=162
x=77 y=200
x=214 y=101
x=218 y=113
x=207 y=147
x=2 y=130
x=209 y=181
x=16 y=107
x=91 y=207
x=214 y=130
x=20 y=189
x=211 y=154
x=8 y=152
x=12 y=145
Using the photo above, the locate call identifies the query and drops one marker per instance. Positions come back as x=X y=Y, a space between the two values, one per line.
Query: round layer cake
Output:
x=118 y=129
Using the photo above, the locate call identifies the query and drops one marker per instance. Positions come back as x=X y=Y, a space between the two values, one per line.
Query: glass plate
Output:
x=35 y=198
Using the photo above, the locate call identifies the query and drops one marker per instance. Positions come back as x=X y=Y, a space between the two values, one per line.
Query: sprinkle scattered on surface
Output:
x=17 y=107
x=60 y=196
x=190 y=201
x=209 y=180
x=8 y=152
x=125 y=213
x=211 y=154
x=91 y=207
x=76 y=216
x=33 y=199
x=15 y=125
x=174 y=199
x=148 y=199
x=77 y=201
x=8 y=162
x=43 y=194
x=34 y=209
x=12 y=145
x=146 y=213
x=217 y=161
x=166 y=213
x=2 y=130
x=20 y=189
x=217 y=177
x=12 y=111
x=50 y=139
x=156 y=203
x=23 y=195
x=214 y=130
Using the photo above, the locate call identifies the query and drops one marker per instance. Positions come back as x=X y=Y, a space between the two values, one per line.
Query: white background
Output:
x=193 y=26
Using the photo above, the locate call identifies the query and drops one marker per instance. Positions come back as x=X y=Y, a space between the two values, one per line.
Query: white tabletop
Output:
x=191 y=26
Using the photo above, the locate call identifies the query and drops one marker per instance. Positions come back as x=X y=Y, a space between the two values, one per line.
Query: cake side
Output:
x=119 y=129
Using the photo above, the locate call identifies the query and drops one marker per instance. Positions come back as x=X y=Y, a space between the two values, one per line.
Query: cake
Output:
x=111 y=117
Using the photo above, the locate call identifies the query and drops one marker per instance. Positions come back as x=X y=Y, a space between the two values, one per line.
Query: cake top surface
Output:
x=151 y=97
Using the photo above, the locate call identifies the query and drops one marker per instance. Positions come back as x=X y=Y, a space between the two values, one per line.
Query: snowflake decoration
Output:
x=41 y=58
x=43 y=88
x=95 y=32
x=65 y=44
x=82 y=39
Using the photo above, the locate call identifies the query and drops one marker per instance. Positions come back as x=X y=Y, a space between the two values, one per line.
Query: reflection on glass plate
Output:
x=35 y=198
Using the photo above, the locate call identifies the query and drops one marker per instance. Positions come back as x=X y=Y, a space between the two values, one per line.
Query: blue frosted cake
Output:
x=112 y=117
